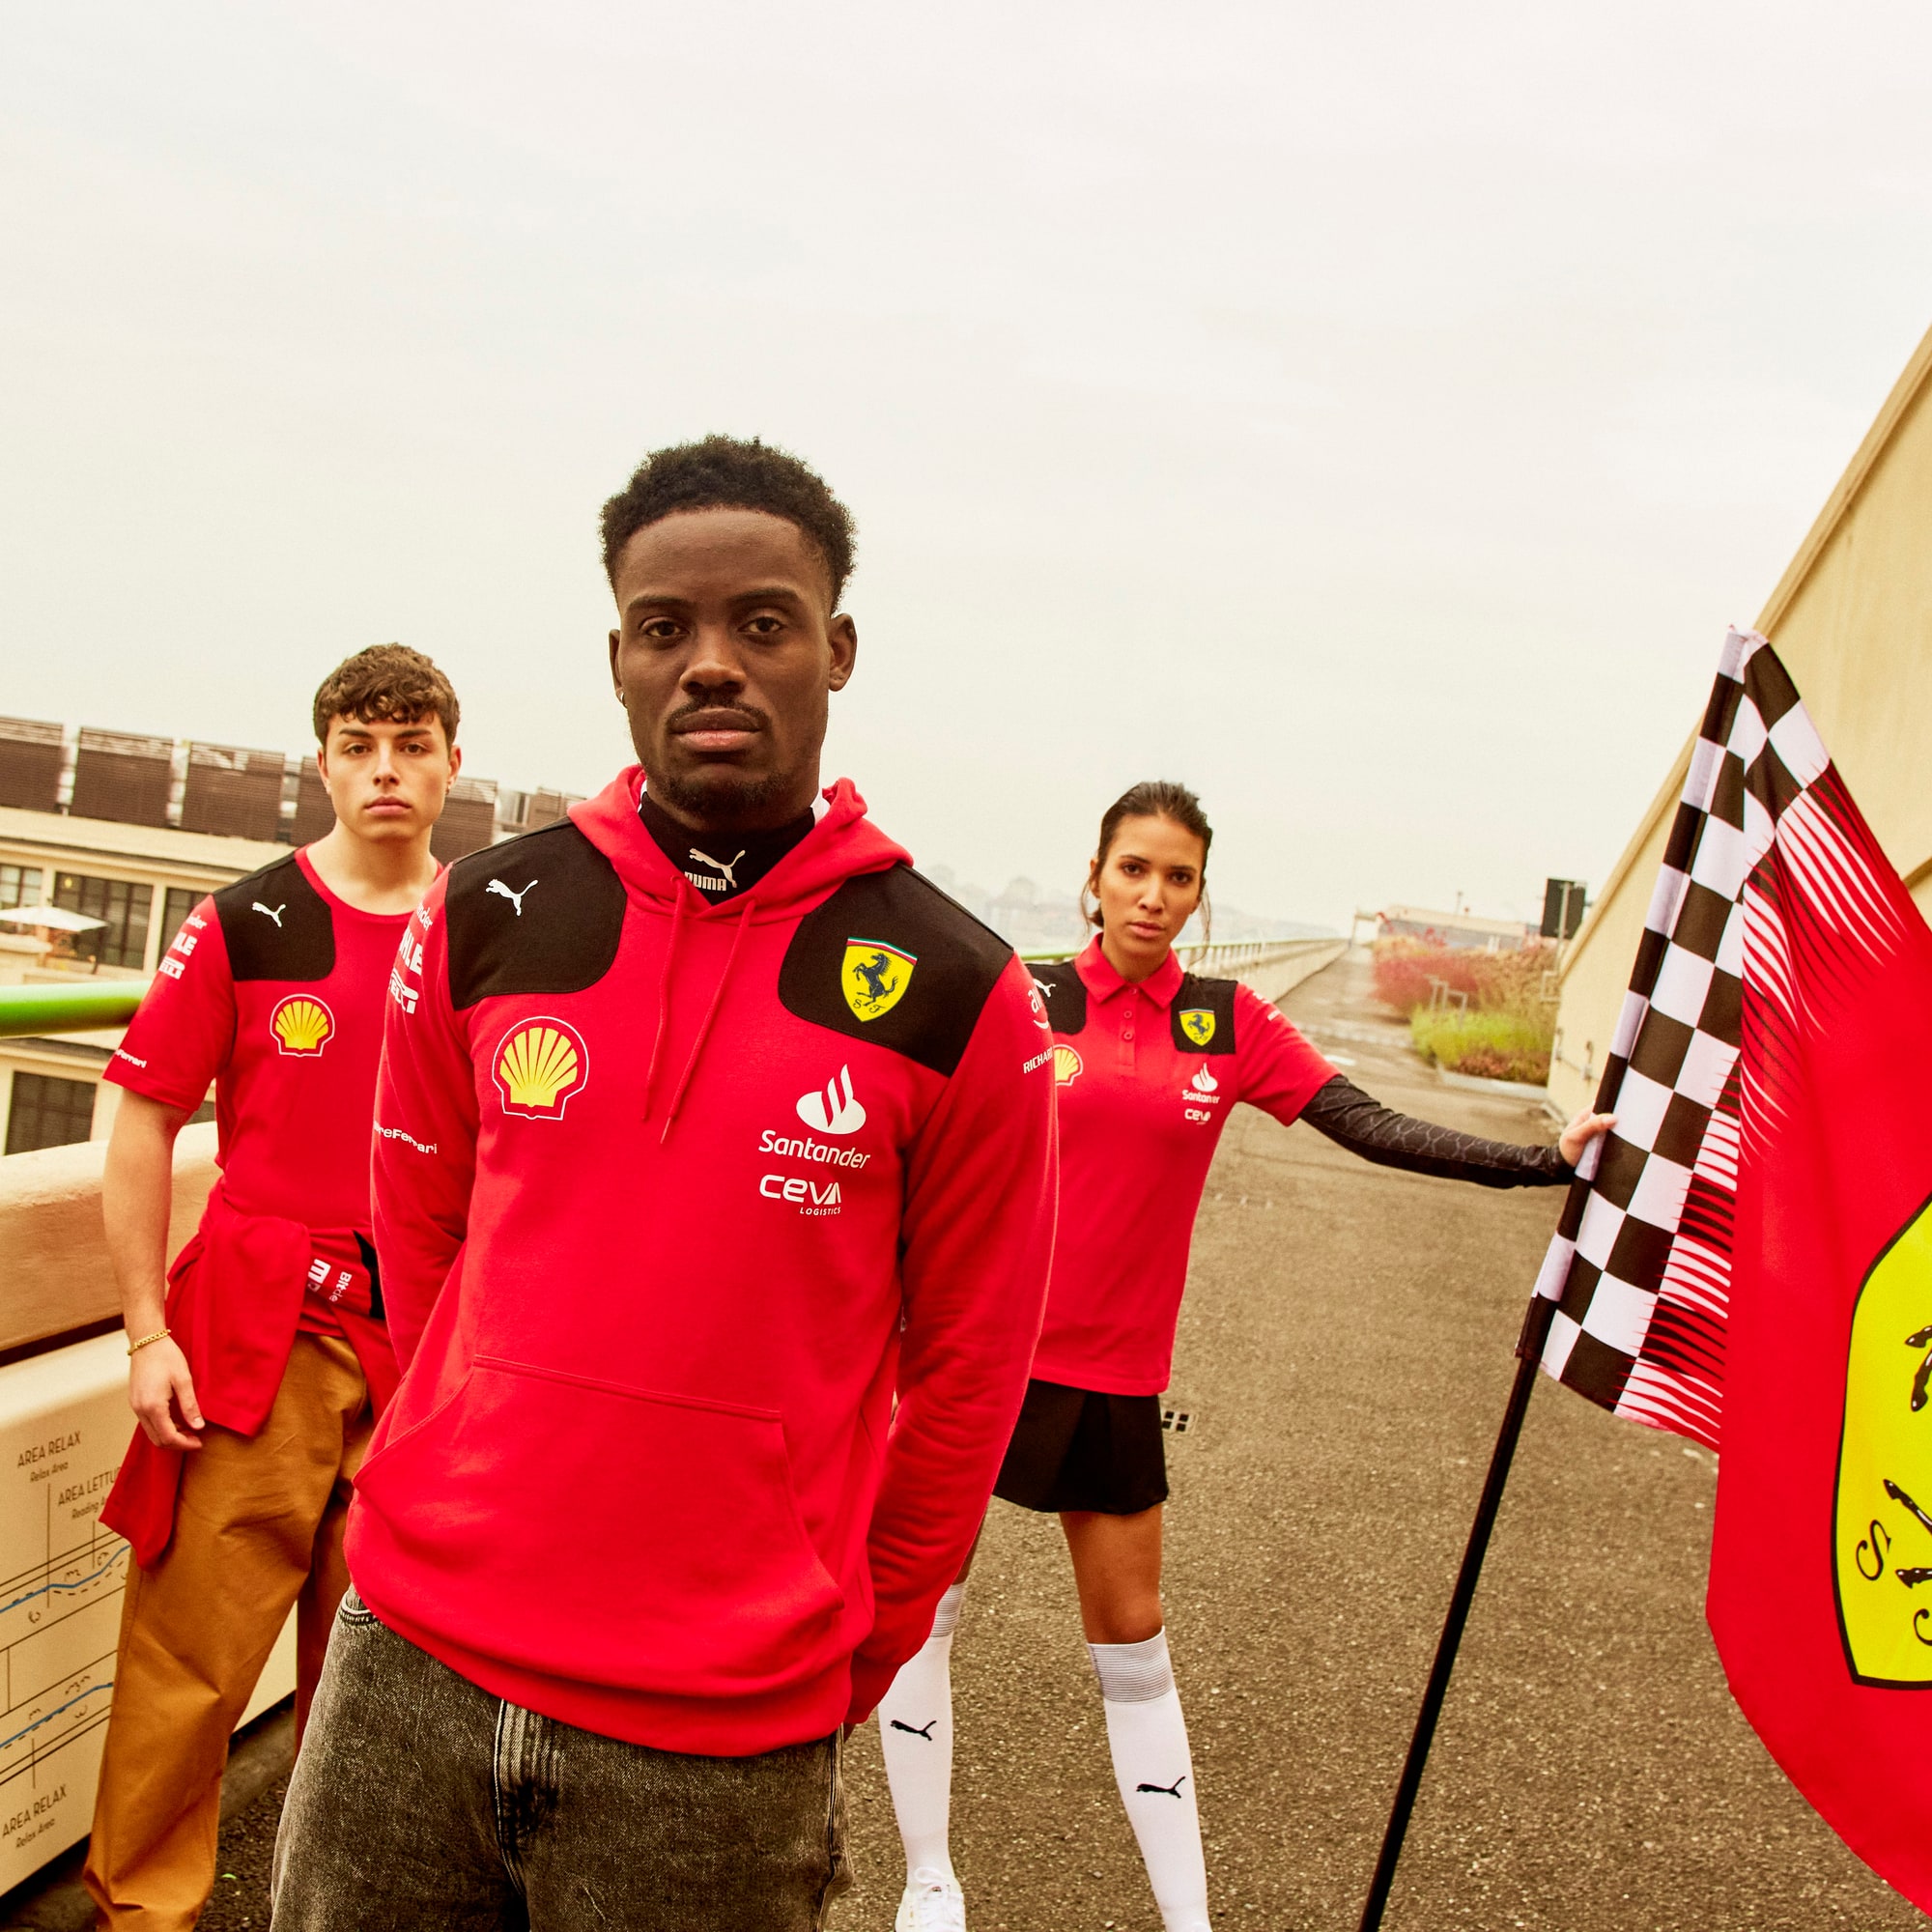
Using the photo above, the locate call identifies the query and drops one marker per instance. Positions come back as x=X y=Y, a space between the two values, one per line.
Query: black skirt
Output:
x=1076 y=1449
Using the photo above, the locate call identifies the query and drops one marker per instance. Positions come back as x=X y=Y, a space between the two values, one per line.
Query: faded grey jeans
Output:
x=422 y=1803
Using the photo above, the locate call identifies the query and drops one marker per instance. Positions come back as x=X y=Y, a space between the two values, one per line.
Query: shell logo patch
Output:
x=301 y=1024
x=874 y=977
x=540 y=1066
x=1198 y=1024
x=1066 y=1063
x=1881 y=1535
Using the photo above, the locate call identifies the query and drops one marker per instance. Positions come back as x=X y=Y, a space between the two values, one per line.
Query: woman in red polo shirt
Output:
x=1151 y=1062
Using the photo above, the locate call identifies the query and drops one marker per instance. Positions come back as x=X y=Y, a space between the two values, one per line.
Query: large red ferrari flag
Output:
x=1777 y=1286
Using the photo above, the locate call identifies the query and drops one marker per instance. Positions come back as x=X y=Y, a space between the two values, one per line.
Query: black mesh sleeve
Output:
x=1350 y=1118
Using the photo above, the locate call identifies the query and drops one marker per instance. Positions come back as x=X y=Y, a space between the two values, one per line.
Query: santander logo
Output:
x=836 y=1110
x=1205 y=1082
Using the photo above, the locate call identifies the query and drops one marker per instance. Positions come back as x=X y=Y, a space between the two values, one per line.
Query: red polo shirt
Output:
x=1148 y=1076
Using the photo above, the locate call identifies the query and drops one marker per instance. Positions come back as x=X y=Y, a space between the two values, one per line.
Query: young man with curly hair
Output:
x=706 y=1130
x=260 y=1360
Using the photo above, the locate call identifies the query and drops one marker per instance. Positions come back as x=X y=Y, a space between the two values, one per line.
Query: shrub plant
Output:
x=1504 y=1032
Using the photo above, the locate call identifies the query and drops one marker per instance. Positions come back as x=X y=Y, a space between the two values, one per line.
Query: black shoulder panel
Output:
x=540 y=914
x=1065 y=994
x=276 y=926
x=920 y=967
x=1202 y=1016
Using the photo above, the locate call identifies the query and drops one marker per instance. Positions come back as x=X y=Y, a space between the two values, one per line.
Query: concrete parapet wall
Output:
x=1300 y=960
x=57 y=1277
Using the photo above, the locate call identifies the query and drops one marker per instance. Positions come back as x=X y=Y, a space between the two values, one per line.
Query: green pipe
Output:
x=75 y=1008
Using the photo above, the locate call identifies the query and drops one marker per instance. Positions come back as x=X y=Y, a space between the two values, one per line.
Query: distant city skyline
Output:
x=1033 y=916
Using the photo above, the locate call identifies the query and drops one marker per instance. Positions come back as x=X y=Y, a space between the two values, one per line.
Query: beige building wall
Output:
x=150 y=859
x=1852 y=621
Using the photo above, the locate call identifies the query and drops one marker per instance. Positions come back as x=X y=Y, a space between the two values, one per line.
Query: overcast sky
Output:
x=1370 y=416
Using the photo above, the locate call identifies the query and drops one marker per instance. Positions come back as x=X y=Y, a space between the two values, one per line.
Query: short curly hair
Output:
x=726 y=472
x=387 y=683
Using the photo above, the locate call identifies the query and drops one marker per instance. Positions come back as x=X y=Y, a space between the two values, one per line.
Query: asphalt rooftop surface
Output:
x=1344 y=1353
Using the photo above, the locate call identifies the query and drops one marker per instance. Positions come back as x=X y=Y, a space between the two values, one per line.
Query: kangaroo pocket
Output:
x=621 y=1537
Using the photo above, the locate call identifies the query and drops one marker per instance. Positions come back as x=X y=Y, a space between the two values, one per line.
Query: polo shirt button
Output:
x=1127 y=1033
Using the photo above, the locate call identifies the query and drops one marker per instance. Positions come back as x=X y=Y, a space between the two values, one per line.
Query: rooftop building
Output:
x=1467 y=931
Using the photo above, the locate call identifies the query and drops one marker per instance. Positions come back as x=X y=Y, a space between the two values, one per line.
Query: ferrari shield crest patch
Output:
x=1883 y=1538
x=874 y=977
x=1198 y=1024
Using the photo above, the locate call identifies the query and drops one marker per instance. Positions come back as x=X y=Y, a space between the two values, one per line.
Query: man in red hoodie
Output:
x=705 y=1126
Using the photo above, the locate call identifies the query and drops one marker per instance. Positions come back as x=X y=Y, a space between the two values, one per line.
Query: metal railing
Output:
x=80 y=1007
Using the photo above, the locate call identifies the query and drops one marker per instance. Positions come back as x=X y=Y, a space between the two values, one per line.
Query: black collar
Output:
x=719 y=867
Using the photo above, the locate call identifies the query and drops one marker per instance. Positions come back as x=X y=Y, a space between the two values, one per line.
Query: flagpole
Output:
x=1529 y=1351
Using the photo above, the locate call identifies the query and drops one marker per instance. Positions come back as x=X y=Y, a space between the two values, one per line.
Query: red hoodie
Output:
x=669 y=1197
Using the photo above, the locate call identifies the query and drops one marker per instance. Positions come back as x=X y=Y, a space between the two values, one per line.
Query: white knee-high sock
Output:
x=916 y=1728
x=1151 y=1765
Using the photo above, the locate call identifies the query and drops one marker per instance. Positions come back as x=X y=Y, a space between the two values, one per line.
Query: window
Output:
x=179 y=904
x=47 y=1111
x=19 y=886
x=124 y=907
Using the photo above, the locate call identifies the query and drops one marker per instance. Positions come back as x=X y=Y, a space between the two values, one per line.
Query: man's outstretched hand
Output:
x=1580 y=1132
x=161 y=1391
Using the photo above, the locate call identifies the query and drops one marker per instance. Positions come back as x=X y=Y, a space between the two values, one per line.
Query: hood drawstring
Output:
x=664 y=993
x=710 y=1015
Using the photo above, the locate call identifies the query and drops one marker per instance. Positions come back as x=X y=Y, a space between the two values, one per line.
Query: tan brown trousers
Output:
x=258 y=1528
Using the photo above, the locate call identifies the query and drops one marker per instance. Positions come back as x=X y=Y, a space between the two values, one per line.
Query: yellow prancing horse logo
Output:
x=1882 y=1538
x=874 y=977
x=1198 y=1024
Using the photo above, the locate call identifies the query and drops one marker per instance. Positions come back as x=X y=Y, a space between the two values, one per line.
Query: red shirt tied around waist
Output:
x=1147 y=1077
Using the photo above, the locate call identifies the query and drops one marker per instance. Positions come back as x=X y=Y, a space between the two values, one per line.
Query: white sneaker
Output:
x=932 y=1902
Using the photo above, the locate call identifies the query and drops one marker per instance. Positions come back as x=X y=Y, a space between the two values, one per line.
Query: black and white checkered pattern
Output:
x=1640 y=1266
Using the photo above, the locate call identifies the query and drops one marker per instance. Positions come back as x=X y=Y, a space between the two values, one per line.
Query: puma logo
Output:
x=502 y=891
x=913 y=1731
x=724 y=866
x=1166 y=1790
x=272 y=912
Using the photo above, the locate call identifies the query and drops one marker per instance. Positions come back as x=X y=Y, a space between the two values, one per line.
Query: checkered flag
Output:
x=1640 y=1268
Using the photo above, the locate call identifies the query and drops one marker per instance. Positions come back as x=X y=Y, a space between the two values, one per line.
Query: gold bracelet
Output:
x=159 y=1335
